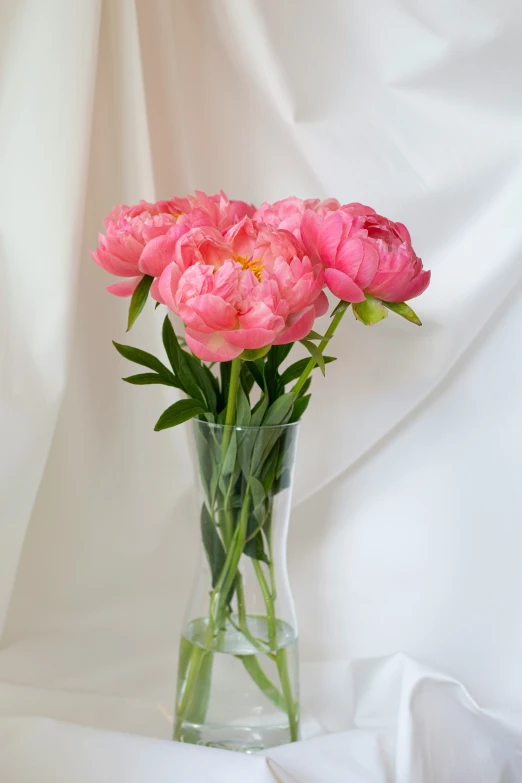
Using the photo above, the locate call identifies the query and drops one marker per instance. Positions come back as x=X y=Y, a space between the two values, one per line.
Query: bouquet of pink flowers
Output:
x=248 y=284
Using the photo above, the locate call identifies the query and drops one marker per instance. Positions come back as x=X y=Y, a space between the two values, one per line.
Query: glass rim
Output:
x=246 y=427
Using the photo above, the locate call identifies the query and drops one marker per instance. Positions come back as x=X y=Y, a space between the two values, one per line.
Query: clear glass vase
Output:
x=238 y=685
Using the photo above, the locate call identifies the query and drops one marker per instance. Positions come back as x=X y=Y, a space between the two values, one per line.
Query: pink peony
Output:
x=247 y=290
x=132 y=229
x=161 y=251
x=128 y=231
x=222 y=212
x=364 y=253
x=288 y=213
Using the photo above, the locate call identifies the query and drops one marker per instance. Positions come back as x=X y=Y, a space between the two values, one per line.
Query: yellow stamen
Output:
x=255 y=266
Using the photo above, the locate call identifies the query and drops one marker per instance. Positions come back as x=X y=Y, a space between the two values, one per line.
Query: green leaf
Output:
x=279 y=410
x=257 y=374
x=369 y=312
x=300 y=405
x=271 y=376
x=243 y=414
x=276 y=357
x=181 y=411
x=157 y=305
x=341 y=306
x=145 y=359
x=205 y=380
x=247 y=379
x=315 y=353
x=269 y=471
x=255 y=548
x=213 y=545
x=224 y=371
x=316 y=336
x=296 y=370
x=278 y=353
x=252 y=456
x=229 y=461
x=142 y=379
x=259 y=411
x=405 y=311
x=139 y=297
x=306 y=385
x=208 y=454
x=179 y=362
x=258 y=497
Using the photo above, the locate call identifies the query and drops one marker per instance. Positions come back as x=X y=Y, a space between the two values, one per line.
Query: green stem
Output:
x=196 y=660
x=269 y=604
x=291 y=706
x=280 y=654
x=242 y=617
x=237 y=544
x=263 y=682
x=336 y=320
x=230 y=416
x=235 y=371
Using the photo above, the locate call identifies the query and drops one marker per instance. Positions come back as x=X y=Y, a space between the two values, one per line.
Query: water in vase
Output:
x=245 y=696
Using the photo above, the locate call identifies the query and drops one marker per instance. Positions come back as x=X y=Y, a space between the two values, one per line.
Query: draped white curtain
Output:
x=406 y=535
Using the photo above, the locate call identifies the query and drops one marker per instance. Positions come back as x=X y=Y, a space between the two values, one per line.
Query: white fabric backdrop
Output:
x=406 y=533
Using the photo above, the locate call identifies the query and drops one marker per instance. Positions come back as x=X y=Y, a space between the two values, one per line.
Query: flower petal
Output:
x=250 y=338
x=329 y=238
x=343 y=286
x=396 y=270
x=192 y=320
x=168 y=285
x=113 y=264
x=310 y=224
x=211 y=347
x=298 y=326
x=261 y=316
x=124 y=246
x=359 y=259
x=155 y=292
x=158 y=254
x=213 y=311
x=417 y=286
x=124 y=287
x=321 y=304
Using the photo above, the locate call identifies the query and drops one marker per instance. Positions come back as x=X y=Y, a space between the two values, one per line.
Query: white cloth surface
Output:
x=405 y=538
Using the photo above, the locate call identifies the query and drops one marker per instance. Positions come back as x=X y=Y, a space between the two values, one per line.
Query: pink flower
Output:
x=128 y=231
x=285 y=214
x=322 y=208
x=232 y=299
x=364 y=253
x=131 y=230
x=160 y=251
x=262 y=241
x=288 y=213
x=221 y=211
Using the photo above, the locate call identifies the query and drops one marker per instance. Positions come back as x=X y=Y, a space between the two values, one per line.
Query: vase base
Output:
x=242 y=739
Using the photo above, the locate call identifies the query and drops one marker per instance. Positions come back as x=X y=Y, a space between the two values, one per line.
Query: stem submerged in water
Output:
x=280 y=653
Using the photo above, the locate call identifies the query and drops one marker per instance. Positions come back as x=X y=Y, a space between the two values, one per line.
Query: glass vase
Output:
x=238 y=685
